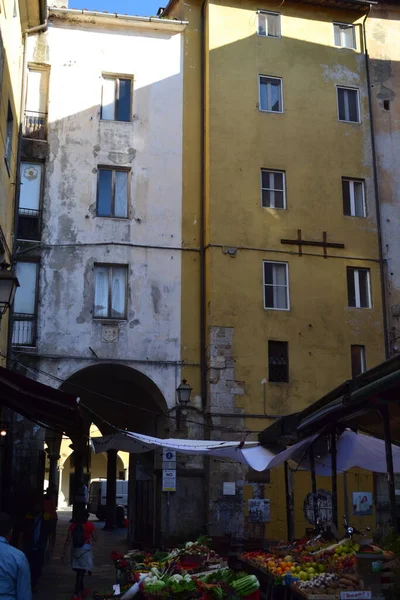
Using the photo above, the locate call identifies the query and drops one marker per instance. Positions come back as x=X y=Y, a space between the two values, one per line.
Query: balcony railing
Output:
x=28 y=224
x=24 y=329
x=35 y=125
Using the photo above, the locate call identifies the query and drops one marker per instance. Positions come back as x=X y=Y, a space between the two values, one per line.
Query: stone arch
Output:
x=116 y=395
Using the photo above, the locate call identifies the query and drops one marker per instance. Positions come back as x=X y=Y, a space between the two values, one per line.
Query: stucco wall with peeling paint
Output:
x=73 y=237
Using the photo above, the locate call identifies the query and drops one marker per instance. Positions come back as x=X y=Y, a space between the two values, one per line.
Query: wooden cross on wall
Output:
x=299 y=242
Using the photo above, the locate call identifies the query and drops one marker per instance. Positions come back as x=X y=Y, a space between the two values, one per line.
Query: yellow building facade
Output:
x=15 y=18
x=279 y=193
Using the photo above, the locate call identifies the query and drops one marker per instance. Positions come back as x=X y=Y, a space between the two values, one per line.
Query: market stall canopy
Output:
x=356 y=450
x=251 y=454
x=38 y=402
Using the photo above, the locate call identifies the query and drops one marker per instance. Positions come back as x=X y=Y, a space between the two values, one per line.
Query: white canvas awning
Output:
x=251 y=454
x=353 y=450
x=356 y=450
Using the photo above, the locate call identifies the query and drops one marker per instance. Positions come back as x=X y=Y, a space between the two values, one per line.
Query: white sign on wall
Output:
x=169 y=480
x=169 y=455
x=361 y=595
x=229 y=488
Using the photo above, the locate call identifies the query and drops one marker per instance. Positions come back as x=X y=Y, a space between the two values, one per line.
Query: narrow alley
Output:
x=57 y=580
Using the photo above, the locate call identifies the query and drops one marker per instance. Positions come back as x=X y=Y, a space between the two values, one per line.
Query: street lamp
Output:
x=183 y=392
x=8 y=287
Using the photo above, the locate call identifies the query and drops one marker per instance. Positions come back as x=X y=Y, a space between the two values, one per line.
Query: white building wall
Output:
x=73 y=237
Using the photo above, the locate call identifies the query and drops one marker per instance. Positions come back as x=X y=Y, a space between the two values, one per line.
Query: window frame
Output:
x=353 y=27
x=35 y=315
x=363 y=359
x=353 y=89
x=287 y=380
x=276 y=262
x=269 y=12
x=127 y=170
x=355 y=271
x=283 y=173
x=110 y=266
x=116 y=77
x=8 y=142
x=353 y=180
x=42 y=165
x=273 y=112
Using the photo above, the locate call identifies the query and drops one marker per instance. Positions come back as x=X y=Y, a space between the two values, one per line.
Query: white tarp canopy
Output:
x=356 y=450
x=353 y=450
x=250 y=453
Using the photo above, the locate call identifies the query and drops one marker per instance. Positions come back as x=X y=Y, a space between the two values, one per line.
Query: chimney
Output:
x=57 y=3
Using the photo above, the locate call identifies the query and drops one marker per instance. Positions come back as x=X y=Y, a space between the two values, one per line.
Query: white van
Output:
x=98 y=496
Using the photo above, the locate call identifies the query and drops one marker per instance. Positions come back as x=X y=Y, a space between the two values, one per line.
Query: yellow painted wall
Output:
x=315 y=150
x=10 y=28
x=358 y=480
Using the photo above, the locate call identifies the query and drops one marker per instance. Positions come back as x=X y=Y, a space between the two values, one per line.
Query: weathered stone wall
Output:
x=226 y=515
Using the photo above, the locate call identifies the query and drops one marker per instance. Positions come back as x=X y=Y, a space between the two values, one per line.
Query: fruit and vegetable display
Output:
x=193 y=572
x=326 y=571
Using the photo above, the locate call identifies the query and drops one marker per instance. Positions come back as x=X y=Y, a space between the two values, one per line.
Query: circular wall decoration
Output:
x=31 y=173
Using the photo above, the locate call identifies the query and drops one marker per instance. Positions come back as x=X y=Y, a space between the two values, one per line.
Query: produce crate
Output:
x=371 y=579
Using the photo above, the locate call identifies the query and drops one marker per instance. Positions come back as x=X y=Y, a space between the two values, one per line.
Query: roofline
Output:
x=357 y=3
x=83 y=15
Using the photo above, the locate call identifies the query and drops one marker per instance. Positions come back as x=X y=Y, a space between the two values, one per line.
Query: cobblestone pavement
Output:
x=57 y=581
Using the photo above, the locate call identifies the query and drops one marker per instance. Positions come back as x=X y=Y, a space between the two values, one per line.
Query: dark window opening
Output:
x=358 y=364
x=278 y=362
x=386 y=104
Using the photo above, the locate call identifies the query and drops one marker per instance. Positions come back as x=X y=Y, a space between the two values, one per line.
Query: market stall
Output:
x=194 y=572
x=321 y=570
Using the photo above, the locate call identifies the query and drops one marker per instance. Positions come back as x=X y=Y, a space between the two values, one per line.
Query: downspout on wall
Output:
x=203 y=315
x=382 y=264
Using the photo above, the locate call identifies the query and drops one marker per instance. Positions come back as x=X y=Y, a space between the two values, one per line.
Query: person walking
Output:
x=15 y=577
x=80 y=500
x=36 y=528
x=50 y=513
x=81 y=534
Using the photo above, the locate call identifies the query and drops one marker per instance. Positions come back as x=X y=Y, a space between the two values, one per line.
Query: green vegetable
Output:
x=154 y=586
x=160 y=556
x=246 y=585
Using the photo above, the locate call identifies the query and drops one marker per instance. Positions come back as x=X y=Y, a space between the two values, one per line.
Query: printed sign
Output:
x=323 y=500
x=362 y=503
x=229 y=488
x=259 y=511
x=169 y=480
x=361 y=595
x=169 y=455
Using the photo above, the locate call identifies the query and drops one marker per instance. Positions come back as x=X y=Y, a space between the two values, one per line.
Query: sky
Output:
x=147 y=8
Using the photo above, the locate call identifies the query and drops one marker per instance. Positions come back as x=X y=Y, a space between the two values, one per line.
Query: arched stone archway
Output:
x=113 y=395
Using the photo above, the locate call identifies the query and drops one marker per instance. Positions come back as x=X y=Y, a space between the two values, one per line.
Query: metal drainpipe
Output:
x=203 y=316
x=22 y=105
x=376 y=189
